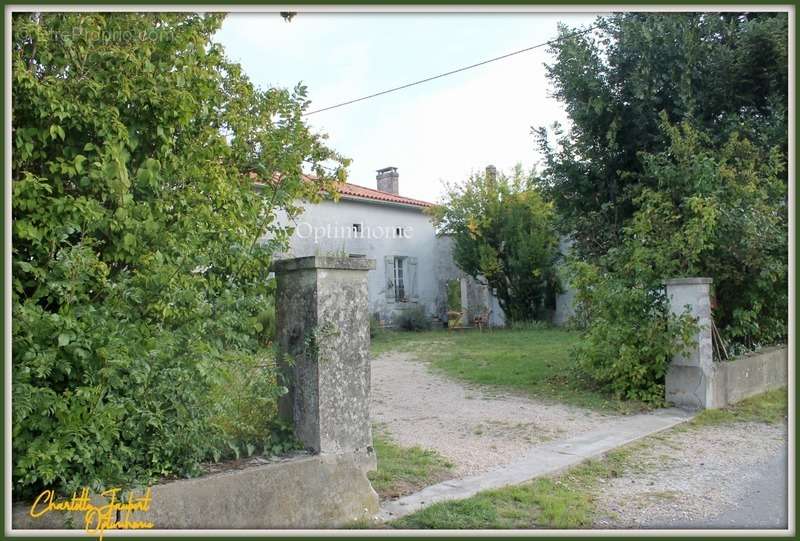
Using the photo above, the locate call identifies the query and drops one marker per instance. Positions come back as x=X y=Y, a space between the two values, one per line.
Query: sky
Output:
x=437 y=131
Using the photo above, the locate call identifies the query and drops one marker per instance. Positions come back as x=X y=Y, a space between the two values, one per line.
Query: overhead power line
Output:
x=465 y=68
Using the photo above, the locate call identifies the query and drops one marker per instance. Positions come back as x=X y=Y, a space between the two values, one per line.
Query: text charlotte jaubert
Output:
x=98 y=518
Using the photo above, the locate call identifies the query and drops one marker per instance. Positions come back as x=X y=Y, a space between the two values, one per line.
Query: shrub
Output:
x=244 y=399
x=265 y=325
x=632 y=336
x=138 y=275
x=719 y=212
x=454 y=295
x=503 y=232
x=413 y=319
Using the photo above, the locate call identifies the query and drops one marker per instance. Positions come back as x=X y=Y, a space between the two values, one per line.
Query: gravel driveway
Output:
x=474 y=427
x=727 y=476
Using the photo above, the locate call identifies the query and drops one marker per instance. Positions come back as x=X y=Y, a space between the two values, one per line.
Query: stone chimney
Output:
x=388 y=180
x=491 y=173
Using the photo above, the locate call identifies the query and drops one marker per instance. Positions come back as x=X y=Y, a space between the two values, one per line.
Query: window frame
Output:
x=399 y=278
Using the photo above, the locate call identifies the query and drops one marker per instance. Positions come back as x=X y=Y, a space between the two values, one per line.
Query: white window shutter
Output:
x=412 y=279
x=389 y=271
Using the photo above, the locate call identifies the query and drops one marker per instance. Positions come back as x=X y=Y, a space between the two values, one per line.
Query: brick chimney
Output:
x=388 y=180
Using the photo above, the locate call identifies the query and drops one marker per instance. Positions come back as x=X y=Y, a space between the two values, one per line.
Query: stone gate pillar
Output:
x=690 y=380
x=322 y=323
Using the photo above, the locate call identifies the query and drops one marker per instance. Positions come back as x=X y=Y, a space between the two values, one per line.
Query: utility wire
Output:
x=465 y=68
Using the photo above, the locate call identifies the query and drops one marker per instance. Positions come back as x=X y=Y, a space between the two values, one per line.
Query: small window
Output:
x=398 y=231
x=356 y=228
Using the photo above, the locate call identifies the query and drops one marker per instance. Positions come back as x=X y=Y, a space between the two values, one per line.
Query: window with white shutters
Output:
x=411 y=279
x=388 y=263
x=401 y=279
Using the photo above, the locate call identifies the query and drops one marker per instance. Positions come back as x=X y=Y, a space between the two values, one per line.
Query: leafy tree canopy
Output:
x=503 y=233
x=715 y=212
x=673 y=165
x=138 y=275
x=726 y=73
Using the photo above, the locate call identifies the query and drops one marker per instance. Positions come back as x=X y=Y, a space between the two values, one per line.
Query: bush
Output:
x=503 y=232
x=266 y=323
x=454 y=295
x=631 y=338
x=244 y=399
x=413 y=319
x=720 y=213
x=139 y=282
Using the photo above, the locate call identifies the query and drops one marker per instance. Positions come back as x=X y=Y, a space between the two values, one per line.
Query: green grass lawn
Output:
x=566 y=500
x=523 y=507
x=405 y=470
x=558 y=502
x=533 y=361
x=770 y=407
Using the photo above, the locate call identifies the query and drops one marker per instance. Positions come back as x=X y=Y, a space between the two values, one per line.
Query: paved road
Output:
x=765 y=505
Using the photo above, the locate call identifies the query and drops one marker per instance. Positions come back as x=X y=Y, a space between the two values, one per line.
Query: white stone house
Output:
x=413 y=263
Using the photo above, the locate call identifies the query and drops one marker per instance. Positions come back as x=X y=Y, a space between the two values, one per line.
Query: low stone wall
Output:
x=322 y=328
x=728 y=382
x=694 y=379
x=750 y=375
x=309 y=491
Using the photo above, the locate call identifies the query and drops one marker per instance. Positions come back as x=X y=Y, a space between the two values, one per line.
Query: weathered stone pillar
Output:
x=690 y=380
x=322 y=307
x=565 y=301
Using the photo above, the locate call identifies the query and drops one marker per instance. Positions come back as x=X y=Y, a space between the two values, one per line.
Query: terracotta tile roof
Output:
x=360 y=192
x=354 y=191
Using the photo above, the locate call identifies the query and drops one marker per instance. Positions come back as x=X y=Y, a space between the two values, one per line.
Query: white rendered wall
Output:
x=323 y=230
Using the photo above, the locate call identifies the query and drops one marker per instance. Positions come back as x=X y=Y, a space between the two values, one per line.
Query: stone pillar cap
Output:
x=687 y=281
x=322 y=262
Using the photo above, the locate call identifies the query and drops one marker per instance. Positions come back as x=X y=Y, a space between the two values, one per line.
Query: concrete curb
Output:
x=542 y=460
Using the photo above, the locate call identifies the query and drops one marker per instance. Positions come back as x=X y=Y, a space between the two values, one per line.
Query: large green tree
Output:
x=138 y=275
x=716 y=212
x=725 y=73
x=503 y=233
x=673 y=165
